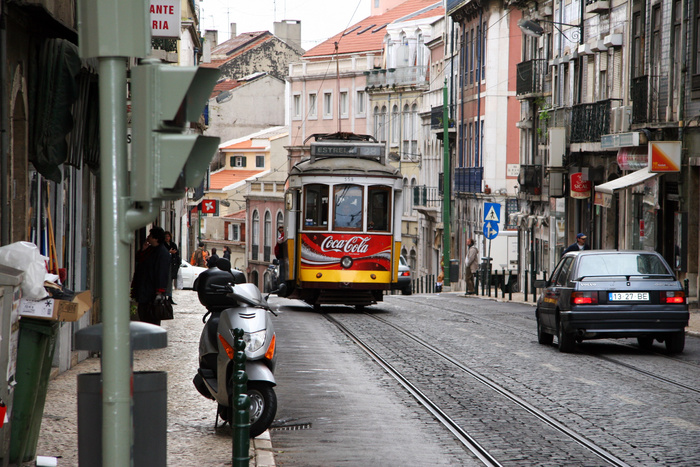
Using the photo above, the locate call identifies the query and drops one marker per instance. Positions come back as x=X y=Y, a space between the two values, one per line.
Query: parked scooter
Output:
x=232 y=303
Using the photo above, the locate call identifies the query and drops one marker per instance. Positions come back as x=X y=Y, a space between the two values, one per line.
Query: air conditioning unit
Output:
x=615 y=118
x=625 y=118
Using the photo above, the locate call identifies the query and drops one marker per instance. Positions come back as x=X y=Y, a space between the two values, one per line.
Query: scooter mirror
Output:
x=223 y=264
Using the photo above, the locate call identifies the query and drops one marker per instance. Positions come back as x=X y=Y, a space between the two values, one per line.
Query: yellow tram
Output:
x=342 y=222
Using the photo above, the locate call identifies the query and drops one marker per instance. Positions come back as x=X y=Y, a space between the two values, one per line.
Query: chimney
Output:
x=232 y=30
x=211 y=38
x=289 y=30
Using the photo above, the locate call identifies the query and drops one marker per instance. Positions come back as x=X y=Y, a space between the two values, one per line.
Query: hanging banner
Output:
x=665 y=156
x=580 y=189
x=633 y=158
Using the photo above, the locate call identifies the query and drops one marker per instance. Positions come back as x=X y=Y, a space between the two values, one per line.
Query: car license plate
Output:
x=628 y=296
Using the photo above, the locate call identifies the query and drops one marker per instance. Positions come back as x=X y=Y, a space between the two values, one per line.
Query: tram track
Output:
x=518 y=330
x=462 y=435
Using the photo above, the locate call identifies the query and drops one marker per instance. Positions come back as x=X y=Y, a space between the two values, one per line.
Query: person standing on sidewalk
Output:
x=151 y=276
x=171 y=246
x=471 y=263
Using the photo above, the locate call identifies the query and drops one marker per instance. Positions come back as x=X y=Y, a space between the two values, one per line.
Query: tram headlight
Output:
x=346 y=262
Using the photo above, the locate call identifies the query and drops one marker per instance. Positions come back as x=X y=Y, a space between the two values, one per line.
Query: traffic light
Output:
x=166 y=155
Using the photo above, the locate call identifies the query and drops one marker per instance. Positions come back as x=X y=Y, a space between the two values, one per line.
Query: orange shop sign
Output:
x=665 y=156
x=580 y=188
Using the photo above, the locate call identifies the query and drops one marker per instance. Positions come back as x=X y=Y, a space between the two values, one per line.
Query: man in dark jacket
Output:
x=211 y=262
x=151 y=275
x=578 y=245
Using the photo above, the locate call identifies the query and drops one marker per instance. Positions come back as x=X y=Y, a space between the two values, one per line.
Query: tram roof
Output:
x=345 y=165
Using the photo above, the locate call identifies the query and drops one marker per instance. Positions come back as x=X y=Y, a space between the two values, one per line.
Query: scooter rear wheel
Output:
x=263 y=406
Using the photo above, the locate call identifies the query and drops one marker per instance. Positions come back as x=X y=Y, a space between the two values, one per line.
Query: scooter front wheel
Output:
x=263 y=406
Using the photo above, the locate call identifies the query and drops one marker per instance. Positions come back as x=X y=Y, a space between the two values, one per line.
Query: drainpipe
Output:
x=685 y=6
x=4 y=130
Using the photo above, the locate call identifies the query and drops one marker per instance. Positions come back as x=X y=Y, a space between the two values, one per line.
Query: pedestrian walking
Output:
x=175 y=260
x=471 y=265
x=199 y=256
x=211 y=262
x=281 y=254
x=151 y=275
x=579 y=245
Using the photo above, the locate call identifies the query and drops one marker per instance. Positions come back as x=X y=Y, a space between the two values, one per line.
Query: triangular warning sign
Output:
x=491 y=215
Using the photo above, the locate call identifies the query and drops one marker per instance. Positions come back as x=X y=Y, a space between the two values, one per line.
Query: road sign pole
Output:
x=446 y=188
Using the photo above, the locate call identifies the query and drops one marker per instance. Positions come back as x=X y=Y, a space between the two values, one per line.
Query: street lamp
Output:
x=533 y=28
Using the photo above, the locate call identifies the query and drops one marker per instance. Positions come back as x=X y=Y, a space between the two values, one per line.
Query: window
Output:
x=312 y=105
x=379 y=208
x=344 y=104
x=347 y=207
x=280 y=219
x=238 y=161
x=235 y=233
x=296 y=106
x=259 y=161
x=637 y=42
x=327 y=104
x=255 y=240
x=395 y=121
x=316 y=207
x=360 y=104
x=382 y=124
x=268 y=236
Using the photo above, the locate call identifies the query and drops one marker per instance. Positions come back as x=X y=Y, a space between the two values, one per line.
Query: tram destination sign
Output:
x=346 y=149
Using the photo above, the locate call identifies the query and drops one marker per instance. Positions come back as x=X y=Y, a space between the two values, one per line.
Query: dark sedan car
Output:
x=601 y=294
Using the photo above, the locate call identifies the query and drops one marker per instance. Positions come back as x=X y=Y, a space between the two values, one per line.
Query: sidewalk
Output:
x=693 y=328
x=192 y=438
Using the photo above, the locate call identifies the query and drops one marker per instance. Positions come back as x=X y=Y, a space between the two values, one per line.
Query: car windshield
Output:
x=632 y=264
x=402 y=261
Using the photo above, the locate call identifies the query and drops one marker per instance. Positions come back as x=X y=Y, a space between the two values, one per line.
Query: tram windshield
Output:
x=353 y=208
x=348 y=207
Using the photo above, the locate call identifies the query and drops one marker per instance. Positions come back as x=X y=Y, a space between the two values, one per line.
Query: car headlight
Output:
x=254 y=340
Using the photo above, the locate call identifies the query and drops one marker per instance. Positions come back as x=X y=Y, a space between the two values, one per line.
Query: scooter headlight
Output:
x=254 y=340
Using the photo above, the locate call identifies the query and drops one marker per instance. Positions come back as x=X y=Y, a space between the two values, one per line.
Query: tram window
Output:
x=379 y=210
x=316 y=207
x=348 y=207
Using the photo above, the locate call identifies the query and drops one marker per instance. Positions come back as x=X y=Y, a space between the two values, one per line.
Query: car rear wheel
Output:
x=645 y=342
x=675 y=343
x=565 y=340
x=543 y=337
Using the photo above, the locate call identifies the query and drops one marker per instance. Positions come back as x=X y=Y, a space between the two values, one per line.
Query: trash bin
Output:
x=37 y=339
x=454 y=270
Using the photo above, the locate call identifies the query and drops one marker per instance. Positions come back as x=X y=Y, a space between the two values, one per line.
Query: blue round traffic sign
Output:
x=490 y=230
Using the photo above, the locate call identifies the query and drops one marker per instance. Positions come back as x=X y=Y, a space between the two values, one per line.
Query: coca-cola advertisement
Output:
x=580 y=189
x=325 y=250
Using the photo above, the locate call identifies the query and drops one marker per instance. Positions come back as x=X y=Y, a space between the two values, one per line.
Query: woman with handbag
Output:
x=151 y=278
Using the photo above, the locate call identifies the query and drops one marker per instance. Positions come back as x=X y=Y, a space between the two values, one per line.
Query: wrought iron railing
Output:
x=590 y=121
x=639 y=93
x=468 y=179
x=531 y=77
x=427 y=196
x=254 y=250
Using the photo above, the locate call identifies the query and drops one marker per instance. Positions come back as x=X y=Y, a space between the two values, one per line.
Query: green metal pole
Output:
x=446 y=187
x=116 y=365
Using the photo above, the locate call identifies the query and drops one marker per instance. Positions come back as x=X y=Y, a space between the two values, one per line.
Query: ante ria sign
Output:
x=165 y=18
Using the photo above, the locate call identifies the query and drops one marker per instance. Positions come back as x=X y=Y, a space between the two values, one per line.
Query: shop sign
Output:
x=665 y=156
x=580 y=188
x=165 y=18
x=603 y=199
x=209 y=206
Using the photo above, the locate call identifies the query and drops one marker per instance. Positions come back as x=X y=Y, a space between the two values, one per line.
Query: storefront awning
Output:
x=635 y=178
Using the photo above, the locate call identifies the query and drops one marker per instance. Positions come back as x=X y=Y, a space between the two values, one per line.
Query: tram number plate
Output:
x=628 y=296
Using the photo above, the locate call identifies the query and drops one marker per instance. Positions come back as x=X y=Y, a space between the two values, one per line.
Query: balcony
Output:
x=639 y=93
x=404 y=76
x=590 y=121
x=427 y=196
x=468 y=179
x=530 y=81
